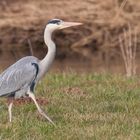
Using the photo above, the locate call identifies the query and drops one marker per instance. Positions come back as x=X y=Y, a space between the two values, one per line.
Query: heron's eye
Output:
x=58 y=23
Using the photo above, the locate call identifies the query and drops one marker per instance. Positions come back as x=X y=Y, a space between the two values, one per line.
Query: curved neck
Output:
x=48 y=59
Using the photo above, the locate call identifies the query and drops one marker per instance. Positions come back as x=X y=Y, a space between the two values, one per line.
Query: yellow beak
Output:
x=69 y=24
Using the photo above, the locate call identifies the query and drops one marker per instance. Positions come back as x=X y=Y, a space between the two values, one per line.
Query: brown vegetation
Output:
x=95 y=45
x=27 y=100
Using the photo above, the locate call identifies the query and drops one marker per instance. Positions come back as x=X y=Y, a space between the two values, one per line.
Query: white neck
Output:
x=45 y=63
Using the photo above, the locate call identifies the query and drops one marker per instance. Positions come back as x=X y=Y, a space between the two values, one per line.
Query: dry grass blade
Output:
x=123 y=53
x=134 y=52
x=128 y=48
x=123 y=4
x=30 y=46
x=120 y=9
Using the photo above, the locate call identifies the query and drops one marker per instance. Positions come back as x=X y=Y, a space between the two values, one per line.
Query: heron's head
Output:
x=56 y=24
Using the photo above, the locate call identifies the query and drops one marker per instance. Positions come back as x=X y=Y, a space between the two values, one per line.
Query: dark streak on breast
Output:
x=33 y=82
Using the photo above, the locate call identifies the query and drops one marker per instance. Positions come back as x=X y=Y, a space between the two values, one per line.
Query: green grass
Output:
x=83 y=107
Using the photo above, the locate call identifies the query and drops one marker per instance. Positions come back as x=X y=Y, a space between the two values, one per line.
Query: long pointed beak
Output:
x=69 y=24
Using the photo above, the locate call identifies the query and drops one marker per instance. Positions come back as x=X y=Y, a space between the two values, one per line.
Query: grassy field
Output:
x=83 y=107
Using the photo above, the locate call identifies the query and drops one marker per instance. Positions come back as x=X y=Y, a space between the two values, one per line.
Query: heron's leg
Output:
x=10 y=110
x=32 y=96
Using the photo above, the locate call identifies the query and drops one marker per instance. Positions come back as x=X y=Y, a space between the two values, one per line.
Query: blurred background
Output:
x=108 y=41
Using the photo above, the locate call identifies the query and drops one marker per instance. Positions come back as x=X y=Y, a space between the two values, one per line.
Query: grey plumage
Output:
x=19 y=77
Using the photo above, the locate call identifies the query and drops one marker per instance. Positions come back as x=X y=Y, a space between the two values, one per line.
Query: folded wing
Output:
x=18 y=76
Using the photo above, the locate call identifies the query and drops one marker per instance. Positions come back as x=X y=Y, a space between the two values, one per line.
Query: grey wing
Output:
x=16 y=78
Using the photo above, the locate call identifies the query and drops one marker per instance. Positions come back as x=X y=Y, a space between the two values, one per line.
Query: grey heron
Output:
x=20 y=79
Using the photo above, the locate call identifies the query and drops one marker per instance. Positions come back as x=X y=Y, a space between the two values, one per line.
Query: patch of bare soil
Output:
x=27 y=100
x=73 y=90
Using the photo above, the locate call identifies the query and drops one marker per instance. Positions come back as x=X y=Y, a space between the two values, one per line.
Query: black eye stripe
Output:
x=56 y=21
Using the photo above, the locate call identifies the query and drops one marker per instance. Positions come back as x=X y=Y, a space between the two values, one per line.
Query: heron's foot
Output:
x=32 y=96
x=45 y=115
